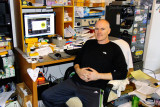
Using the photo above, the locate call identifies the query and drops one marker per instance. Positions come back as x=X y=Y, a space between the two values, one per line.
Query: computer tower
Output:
x=130 y=24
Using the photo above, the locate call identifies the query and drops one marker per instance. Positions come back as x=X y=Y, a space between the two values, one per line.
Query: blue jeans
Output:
x=57 y=95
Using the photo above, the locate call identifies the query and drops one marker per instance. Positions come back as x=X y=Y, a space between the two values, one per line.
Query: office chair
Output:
x=114 y=88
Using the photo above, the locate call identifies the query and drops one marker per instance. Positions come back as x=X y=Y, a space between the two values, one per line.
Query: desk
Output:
x=23 y=65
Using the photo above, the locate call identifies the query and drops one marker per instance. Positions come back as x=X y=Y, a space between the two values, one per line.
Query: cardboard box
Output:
x=24 y=95
x=129 y=88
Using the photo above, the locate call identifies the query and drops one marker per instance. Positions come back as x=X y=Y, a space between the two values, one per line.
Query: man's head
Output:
x=102 y=30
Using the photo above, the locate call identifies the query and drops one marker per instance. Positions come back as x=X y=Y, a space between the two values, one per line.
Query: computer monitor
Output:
x=39 y=24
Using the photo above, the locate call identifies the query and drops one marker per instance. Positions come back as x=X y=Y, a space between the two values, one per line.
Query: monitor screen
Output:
x=39 y=24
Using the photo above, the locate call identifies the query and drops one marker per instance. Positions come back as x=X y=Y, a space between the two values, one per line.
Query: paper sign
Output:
x=139 y=75
x=33 y=73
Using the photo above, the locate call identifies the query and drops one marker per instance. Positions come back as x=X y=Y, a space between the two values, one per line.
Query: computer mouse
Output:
x=57 y=55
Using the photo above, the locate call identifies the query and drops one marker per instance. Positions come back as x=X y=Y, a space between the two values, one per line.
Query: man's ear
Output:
x=109 y=31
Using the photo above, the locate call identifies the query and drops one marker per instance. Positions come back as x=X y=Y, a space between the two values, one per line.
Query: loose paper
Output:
x=139 y=75
x=146 y=90
x=33 y=73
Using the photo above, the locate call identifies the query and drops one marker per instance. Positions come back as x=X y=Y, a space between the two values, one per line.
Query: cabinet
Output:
x=60 y=23
x=7 y=71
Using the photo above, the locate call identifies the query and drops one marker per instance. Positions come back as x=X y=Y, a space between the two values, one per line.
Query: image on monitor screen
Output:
x=39 y=24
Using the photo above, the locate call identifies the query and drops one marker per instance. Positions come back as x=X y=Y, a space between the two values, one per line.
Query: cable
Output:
x=51 y=77
x=60 y=71
x=45 y=71
x=152 y=72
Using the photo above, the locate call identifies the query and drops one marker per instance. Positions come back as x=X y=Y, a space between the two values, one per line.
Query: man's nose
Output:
x=99 y=31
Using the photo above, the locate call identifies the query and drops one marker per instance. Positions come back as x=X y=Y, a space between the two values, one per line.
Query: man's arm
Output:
x=82 y=72
x=94 y=75
x=89 y=74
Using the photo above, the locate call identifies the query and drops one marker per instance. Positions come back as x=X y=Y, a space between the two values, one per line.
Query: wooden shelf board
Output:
x=68 y=21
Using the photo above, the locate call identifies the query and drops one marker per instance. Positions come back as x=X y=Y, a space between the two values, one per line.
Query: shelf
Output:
x=89 y=4
x=94 y=12
x=68 y=6
x=32 y=7
x=68 y=21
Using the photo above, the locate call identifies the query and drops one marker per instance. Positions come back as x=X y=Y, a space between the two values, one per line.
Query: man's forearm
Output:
x=105 y=76
x=76 y=67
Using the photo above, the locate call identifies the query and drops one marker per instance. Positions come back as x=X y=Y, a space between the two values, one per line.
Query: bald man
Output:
x=99 y=61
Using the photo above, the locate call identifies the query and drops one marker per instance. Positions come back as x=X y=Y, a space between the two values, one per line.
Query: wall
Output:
x=152 y=51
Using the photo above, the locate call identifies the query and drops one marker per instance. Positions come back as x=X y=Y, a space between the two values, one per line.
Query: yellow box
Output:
x=31 y=40
x=44 y=43
x=38 y=44
x=22 y=98
x=30 y=45
x=28 y=50
x=34 y=54
x=3 y=53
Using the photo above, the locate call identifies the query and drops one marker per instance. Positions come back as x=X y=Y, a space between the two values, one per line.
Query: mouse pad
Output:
x=63 y=55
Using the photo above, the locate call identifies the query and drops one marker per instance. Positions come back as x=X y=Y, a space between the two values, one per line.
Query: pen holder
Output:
x=135 y=101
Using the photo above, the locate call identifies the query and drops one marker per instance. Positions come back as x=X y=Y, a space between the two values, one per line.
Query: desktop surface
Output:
x=59 y=55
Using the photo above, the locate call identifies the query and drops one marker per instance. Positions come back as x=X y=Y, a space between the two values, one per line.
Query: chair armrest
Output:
x=107 y=92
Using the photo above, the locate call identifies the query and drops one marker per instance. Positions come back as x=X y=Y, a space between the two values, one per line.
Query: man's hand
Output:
x=89 y=74
x=92 y=75
x=83 y=73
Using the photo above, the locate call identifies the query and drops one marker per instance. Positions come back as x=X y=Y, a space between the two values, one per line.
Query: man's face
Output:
x=102 y=30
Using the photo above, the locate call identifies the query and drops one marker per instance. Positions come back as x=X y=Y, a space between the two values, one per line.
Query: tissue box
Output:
x=24 y=95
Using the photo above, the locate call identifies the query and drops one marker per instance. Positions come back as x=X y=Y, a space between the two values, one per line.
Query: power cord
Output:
x=45 y=71
x=151 y=71
x=60 y=71
x=51 y=78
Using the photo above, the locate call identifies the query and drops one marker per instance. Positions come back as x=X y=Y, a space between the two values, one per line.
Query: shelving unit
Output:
x=21 y=62
x=7 y=71
x=60 y=23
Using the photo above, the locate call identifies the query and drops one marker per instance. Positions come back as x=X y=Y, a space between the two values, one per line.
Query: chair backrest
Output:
x=69 y=72
x=126 y=51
